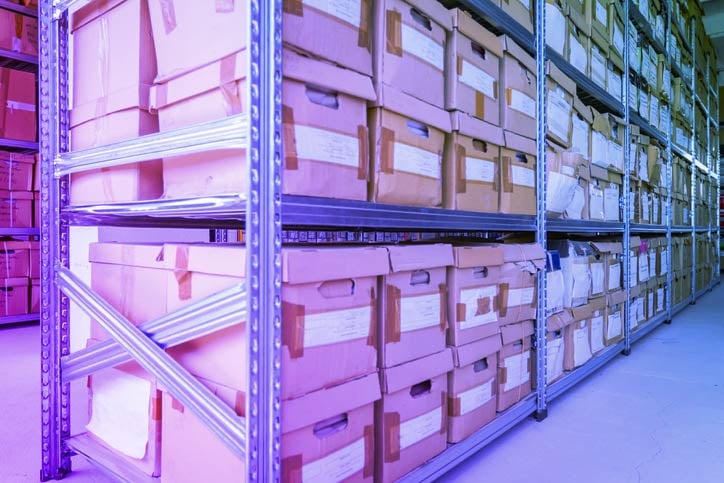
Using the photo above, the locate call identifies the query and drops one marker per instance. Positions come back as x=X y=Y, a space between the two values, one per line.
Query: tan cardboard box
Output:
x=598 y=316
x=578 y=337
x=518 y=282
x=569 y=175
x=597 y=16
x=515 y=364
x=581 y=128
x=556 y=327
x=616 y=34
x=611 y=252
x=472 y=165
x=579 y=45
x=556 y=33
x=613 y=331
x=518 y=78
x=576 y=260
x=560 y=91
x=521 y=11
x=518 y=175
x=577 y=13
x=597 y=62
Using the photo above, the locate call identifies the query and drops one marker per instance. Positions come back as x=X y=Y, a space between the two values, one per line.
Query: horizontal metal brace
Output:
x=109 y=462
x=18 y=8
x=227 y=133
x=211 y=412
x=219 y=311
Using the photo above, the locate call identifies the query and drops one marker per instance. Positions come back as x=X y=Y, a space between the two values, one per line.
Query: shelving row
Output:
x=262 y=211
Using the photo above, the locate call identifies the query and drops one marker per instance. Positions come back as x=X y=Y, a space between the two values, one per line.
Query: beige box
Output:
x=556 y=33
x=569 y=176
x=521 y=11
x=518 y=175
x=518 y=282
x=560 y=93
x=613 y=327
x=598 y=316
x=578 y=49
x=518 y=78
x=514 y=364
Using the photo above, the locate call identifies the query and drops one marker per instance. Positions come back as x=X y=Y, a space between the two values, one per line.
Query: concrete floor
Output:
x=656 y=416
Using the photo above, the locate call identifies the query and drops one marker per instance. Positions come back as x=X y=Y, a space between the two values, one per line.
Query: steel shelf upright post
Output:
x=626 y=198
x=692 y=152
x=668 y=210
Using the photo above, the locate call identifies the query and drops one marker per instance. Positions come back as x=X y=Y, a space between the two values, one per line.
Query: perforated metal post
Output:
x=667 y=211
x=54 y=330
x=626 y=198
x=263 y=241
x=692 y=152
x=541 y=186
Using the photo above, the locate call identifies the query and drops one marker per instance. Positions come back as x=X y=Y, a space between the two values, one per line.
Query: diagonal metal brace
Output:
x=214 y=414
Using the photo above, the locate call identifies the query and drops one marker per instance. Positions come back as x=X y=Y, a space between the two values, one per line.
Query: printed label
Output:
x=652 y=263
x=474 y=398
x=419 y=428
x=574 y=210
x=478 y=79
x=644 y=104
x=419 y=312
x=337 y=326
x=516 y=369
x=596 y=203
x=578 y=54
x=345 y=10
x=520 y=296
x=581 y=347
x=554 y=359
x=522 y=103
x=475 y=315
x=632 y=58
x=598 y=67
x=667 y=80
x=555 y=28
x=596 y=333
x=615 y=85
x=654 y=111
x=645 y=210
x=479 y=170
x=416 y=161
x=599 y=149
x=652 y=307
x=554 y=292
x=664 y=262
x=581 y=281
x=580 y=135
x=611 y=202
x=615 y=155
x=326 y=146
x=643 y=267
x=336 y=466
x=614 y=276
x=618 y=42
x=523 y=176
x=660 y=300
x=420 y=45
x=655 y=208
x=559 y=114
x=614 y=327
x=597 y=278
x=602 y=13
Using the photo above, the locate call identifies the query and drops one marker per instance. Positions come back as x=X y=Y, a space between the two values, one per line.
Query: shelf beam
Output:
x=112 y=464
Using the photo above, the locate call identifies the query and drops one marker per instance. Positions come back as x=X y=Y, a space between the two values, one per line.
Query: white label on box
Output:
x=615 y=327
x=652 y=263
x=416 y=429
x=643 y=267
x=599 y=149
x=664 y=262
x=574 y=210
x=654 y=110
x=555 y=28
x=652 y=310
x=479 y=170
x=655 y=208
x=559 y=114
x=667 y=80
x=554 y=292
x=336 y=466
x=520 y=296
x=615 y=154
x=618 y=42
x=411 y=159
x=645 y=211
x=522 y=176
x=474 y=398
x=659 y=300
x=580 y=136
x=597 y=278
x=611 y=202
x=644 y=105
x=345 y=10
x=473 y=316
x=597 y=333
x=595 y=204
x=522 y=102
x=577 y=53
x=561 y=190
x=337 y=326
x=601 y=13
x=581 y=347
x=615 y=84
x=554 y=359
x=516 y=370
x=326 y=146
x=419 y=312
x=420 y=45
x=614 y=276
x=581 y=282
x=478 y=79
x=598 y=67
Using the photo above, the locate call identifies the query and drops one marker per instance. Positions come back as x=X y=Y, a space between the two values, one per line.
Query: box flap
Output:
x=410 y=373
x=311 y=264
x=435 y=11
x=601 y=123
x=635 y=291
x=583 y=110
x=404 y=258
x=559 y=321
x=476 y=128
x=525 y=252
x=514 y=332
x=607 y=246
x=614 y=177
x=326 y=403
x=470 y=27
x=134 y=97
x=635 y=242
x=406 y=105
x=599 y=303
x=91 y=11
x=217 y=259
x=516 y=142
x=560 y=78
x=473 y=352
x=517 y=52
x=478 y=256
x=616 y=298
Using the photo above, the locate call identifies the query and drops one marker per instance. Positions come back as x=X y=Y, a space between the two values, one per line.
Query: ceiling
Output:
x=714 y=25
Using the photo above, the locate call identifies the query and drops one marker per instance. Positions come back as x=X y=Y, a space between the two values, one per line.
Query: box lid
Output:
x=15 y=282
x=410 y=373
x=304 y=265
x=607 y=246
x=559 y=321
x=583 y=110
x=560 y=78
x=409 y=106
x=635 y=291
x=525 y=252
x=598 y=172
x=572 y=248
x=469 y=353
x=91 y=11
x=514 y=332
x=616 y=298
x=635 y=242
x=478 y=256
x=434 y=10
x=470 y=27
x=404 y=258
x=476 y=128
x=16 y=195
x=601 y=123
x=319 y=405
x=517 y=52
x=516 y=142
x=134 y=97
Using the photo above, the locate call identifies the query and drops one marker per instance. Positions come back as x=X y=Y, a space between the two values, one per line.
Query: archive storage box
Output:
x=569 y=176
x=578 y=337
x=411 y=419
x=613 y=269
x=556 y=33
x=518 y=175
x=518 y=282
x=34 y=304
x=15 y=259
x=16 y=171
x=18 y=102
x=598 y=315
x=414 y=315
x=114 y=65
x=579 y=43
x=560 y=91
x=518 y=80
x=578 y=264
x=556 y=327
x=514 y=363
x=409 y=48
x=16 y=209
x=472 y=165
x=18 y=32
x=472 y=387
x=473 y=69
x=473 y=293
x=14 y=293
x=613 y=327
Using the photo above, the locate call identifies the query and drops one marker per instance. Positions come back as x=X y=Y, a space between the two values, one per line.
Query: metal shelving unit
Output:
x=262 y=212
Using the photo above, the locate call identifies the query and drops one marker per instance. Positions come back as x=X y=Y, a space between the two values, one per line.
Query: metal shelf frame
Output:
x=262 y=212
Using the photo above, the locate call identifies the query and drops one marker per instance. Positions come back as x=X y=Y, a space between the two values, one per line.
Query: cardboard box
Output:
x=637 y=304
x=616 y=33
x=597 y=62
x=125 y=416
x=598 y=16
x=326 y=140
x=471 y=165
x=514 y=364
x=340 y=34
x=568 y=178
x=179 y=26
x=577 y=336
x=518 y=175
x=518 y=78
x=16 y=209
x=598 y=315
x=556 y=347
x=34 y=304
x=472 y=387
x=521 y=11
x=661 y=293
x=613 y=331
x=581 y=128
x=407 y=138
x=577 y=14
x=409 y=49
x=34 y=255
x=414 y=318
x=560 y=93
x=576 y=260
x=614 y=83
x=16 y=171
x=610 y=252
x=518 y=282
x=15 y=259
x=579 y=44
x=18 y=102
x=329 y=312
x=604 y=191
x=474 y=296
x=556 y=32
x=473 y=68
x=18 y=33
x=411 y=420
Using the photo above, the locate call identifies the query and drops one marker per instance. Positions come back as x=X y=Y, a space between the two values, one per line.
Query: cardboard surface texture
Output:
x=519 y=87
x=517 y=175
x=514 y=364
x=518 y=282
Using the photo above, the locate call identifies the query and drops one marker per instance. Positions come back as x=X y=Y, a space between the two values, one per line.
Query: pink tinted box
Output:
x=36 y=209
x=514 y=364
x=188 y=35
x=14 y=296
x=18 y=102
x=472 y=387
x=16 y=209
x=414 y=314
x=338 y=32
x=15 y=259
x=412 y=416
x=34 y=296
x=328 y=435
x=34 y=255
x=329 y=315
x=16 y=171
x=18 y=32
